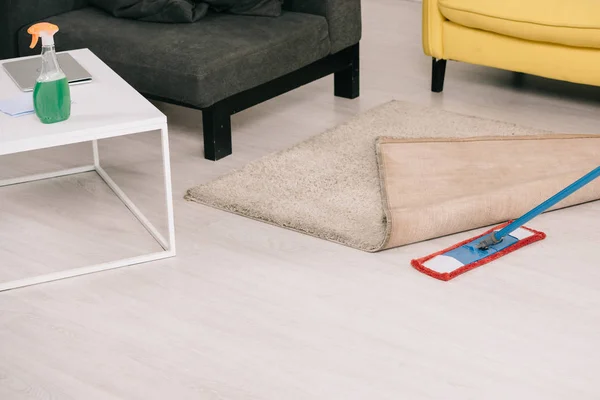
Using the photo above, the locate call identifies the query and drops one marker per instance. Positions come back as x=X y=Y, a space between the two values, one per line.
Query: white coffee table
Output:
x=107 y=107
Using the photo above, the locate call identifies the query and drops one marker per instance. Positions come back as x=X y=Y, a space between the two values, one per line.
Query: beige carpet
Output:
x=329 y=186
x=437 y=187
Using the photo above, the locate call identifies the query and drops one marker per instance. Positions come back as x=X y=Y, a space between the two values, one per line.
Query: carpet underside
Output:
x=360 y=185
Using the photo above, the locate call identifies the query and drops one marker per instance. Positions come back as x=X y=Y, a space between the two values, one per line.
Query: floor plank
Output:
x=250 y=311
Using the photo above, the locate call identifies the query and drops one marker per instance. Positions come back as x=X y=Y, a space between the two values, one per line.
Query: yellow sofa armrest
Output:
x=433 y=21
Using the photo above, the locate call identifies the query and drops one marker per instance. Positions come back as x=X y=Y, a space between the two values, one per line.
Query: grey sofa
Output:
x=221 y=64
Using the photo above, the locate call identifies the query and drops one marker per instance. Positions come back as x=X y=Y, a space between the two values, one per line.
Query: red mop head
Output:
x=465 y=256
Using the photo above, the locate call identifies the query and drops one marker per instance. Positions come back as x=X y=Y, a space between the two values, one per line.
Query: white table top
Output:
x=105 y=107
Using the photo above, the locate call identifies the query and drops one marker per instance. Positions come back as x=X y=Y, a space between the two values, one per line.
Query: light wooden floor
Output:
x=249 y=311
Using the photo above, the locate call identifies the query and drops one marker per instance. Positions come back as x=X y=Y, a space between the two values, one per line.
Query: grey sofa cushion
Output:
x=171 y=11
x=14 y=14
x=181 y=11
x=266 y=8
x=343 y=17
x=200 y=63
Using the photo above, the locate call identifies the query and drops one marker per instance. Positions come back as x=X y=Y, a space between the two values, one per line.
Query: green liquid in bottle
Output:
x=52 y=100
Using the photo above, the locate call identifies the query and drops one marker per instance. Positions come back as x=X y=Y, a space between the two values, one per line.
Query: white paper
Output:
x=18 y=105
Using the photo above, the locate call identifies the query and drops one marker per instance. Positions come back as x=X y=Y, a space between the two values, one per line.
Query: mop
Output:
x=495 y=243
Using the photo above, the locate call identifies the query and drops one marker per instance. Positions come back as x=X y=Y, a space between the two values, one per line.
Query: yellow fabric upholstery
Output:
x=432 y=29
x=572 y=23
x=572 y=64
x=557 y=39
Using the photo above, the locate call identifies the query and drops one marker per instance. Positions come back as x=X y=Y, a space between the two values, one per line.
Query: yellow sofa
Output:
x=558 y=39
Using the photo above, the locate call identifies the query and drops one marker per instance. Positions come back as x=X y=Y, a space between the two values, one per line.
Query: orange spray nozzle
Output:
x=43 y=29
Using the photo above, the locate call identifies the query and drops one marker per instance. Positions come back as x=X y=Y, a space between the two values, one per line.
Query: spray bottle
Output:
x=51 y=95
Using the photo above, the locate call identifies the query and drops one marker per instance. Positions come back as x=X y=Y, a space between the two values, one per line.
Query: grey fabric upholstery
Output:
x=343 y=17
x=185 y=11
x=265 y=8
x=196 y=64
x=167 y=11
x=14 y=14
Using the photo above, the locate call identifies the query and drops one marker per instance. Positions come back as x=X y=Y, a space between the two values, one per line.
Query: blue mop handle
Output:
x=566 y=192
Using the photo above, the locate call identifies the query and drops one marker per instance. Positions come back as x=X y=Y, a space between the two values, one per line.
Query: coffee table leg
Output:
x=168 y=245
x=164 y=136
x=96 y=154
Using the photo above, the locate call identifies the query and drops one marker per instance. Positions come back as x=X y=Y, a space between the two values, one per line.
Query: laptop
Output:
x=26 y=71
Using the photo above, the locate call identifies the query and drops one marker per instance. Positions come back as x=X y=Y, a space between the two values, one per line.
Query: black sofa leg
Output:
x=216 y=122
x=347 y=81
x=438 y=71
x=518 y=79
